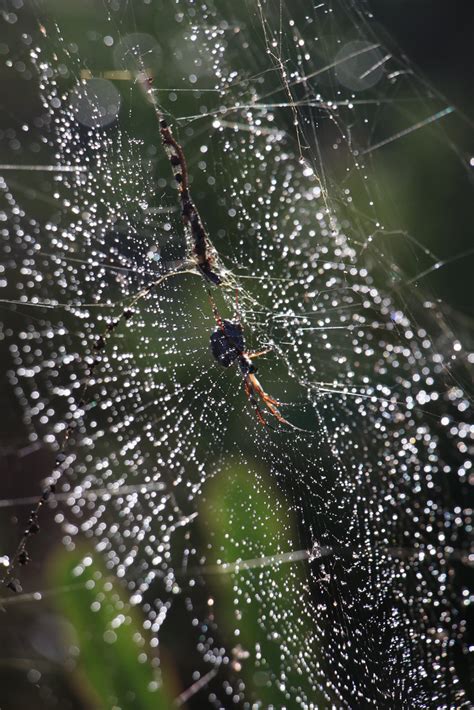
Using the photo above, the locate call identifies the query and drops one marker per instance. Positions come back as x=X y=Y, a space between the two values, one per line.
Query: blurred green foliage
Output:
x=113 y=668
x=246 y=518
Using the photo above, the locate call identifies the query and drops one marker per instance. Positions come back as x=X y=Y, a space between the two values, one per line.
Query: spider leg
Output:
x=259 y=353
x=237 y=307
x=254 y=392
x=253 y=401
x=215 y=312
x=258 y=389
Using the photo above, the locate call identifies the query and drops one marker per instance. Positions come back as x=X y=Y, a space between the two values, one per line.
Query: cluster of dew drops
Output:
x=349 y=356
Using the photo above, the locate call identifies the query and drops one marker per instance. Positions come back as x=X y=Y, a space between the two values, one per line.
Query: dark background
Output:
x=437 y=38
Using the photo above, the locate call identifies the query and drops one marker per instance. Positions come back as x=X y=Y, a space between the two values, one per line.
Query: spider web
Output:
x=342 y=587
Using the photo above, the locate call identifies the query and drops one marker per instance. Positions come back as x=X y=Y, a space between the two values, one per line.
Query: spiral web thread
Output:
x=366 y=371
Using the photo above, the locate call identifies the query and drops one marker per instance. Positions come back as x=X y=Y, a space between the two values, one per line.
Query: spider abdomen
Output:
x=227 y=343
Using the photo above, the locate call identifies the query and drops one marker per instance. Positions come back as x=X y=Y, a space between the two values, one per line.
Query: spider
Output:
x=228 y=347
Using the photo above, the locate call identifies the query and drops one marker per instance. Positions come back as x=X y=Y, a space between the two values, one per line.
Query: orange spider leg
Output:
x=270 y=403
x=261 y=352
x=250 y=395
x=258 y=389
